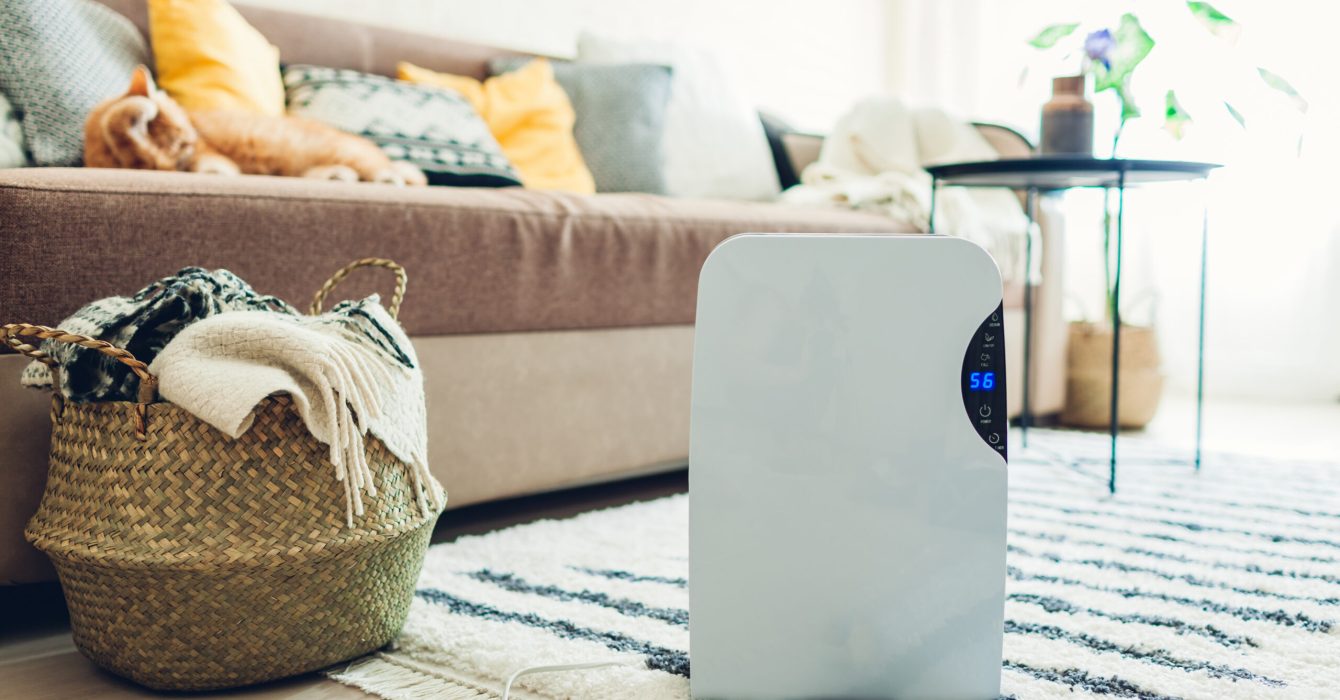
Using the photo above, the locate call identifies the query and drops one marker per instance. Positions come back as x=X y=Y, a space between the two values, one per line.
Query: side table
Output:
x=1045 y=174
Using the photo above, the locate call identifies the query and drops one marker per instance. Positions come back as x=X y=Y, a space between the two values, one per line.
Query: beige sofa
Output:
x=555 y=330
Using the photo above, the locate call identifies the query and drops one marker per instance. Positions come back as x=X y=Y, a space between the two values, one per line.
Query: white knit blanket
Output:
x=348 y=375
x=875 y=161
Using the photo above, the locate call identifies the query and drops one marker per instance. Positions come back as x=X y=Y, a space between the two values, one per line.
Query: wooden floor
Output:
x=38 y=660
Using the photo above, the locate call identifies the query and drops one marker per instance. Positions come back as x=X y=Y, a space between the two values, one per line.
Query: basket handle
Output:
x=401 y=280
x=13 y=335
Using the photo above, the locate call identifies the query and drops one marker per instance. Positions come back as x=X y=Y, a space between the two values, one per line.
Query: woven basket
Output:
x=193 y=561
x=1088 y=398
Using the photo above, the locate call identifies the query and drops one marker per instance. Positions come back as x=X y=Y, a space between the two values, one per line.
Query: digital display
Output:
x=983 y=381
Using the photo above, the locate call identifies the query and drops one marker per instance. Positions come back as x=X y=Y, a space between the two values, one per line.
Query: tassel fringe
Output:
x=399 y=679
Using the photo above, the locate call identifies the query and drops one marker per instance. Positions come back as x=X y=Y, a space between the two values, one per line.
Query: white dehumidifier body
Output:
x=847 y=472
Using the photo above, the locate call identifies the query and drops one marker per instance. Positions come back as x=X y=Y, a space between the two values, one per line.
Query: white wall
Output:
x=802 y=59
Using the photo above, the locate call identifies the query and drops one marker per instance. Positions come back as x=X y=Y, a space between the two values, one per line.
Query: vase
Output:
x=1067 y=119
x=1088 y=401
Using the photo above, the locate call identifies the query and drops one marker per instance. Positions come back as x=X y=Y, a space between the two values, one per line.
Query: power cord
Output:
x=629 y=661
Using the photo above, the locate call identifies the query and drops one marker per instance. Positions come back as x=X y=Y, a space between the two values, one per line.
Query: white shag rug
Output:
x=1224 y=584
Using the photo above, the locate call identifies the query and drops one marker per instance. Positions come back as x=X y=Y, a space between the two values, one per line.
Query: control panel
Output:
x=984 y=382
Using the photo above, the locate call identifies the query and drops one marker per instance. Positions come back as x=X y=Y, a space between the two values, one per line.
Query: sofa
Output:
x=555 y=330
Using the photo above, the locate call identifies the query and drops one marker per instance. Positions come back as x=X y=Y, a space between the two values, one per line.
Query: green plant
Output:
x=1112 y=55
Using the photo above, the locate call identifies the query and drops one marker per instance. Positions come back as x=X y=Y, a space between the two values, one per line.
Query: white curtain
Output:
x=1273 y=329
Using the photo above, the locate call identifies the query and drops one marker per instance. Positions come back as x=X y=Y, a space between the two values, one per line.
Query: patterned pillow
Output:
x=59 y=58
x=12 y=151
x=620 y=119
x=433 y=128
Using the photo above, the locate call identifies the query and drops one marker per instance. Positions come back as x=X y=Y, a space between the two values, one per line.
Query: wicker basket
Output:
x=1088 y=398
x=192 y=561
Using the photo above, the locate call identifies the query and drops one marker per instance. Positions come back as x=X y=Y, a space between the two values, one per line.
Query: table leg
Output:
x=1026 y=416
x=1200 y=346
x=1116 y=331
x=935 y=187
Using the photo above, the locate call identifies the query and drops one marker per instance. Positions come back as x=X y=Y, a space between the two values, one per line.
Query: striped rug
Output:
x=1219 y=585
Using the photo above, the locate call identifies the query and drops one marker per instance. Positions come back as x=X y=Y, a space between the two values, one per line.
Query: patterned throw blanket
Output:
x=875 y=159
x=142 y=323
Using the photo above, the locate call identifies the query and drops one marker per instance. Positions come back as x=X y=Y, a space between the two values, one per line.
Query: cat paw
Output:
x=210 y=164
x=401 y=174
x=338 y=173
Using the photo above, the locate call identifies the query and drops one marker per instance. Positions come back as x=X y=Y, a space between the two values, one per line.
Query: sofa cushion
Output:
x=480 y=260
x=531 y=117
x=435 y=129
x=714 y=142
x=59 y=58
x=208 y=58
x=620 y=123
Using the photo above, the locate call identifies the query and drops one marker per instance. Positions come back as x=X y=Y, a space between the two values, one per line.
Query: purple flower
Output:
x=1098 y=46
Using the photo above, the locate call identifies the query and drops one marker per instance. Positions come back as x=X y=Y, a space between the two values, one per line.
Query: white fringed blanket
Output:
x=874 y=161
x=1224 y=584
x=351 y=371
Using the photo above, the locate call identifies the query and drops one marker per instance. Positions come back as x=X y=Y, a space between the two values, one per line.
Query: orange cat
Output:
x=147 y=129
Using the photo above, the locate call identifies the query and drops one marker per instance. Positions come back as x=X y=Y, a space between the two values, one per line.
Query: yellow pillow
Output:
x=208 y=57
x=531 y=117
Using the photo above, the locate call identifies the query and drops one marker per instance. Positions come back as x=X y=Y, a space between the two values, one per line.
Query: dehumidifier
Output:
x=847 y=469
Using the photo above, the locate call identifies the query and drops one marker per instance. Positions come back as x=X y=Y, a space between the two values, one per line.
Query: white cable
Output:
x=628 y=661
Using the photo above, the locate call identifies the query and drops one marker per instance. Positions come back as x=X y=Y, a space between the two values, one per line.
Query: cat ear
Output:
x=141 y=83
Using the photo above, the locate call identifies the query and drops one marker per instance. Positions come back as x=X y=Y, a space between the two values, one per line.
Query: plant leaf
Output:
x=1237 y=116
x=1133 y=45
x=1175 y=117
x=1277 y=82
x=1218 y=23
x=1049 y=35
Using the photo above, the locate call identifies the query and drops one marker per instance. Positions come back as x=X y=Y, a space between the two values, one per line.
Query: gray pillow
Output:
x=620 y=112
x=433 y=128
x=59 y=58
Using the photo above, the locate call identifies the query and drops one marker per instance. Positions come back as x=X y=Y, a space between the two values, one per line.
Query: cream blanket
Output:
x=350 y=372
x=874 y=161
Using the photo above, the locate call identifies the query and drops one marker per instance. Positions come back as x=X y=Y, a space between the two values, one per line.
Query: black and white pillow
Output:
x=620 y=125
x=433 y=128
x=58 y=59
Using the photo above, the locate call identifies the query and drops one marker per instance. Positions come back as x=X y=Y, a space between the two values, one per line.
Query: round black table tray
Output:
x=1065 y=172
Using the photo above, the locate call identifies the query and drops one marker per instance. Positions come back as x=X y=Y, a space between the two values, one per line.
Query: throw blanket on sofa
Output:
x=142 y=323
x=874 y=161
x=350 y=372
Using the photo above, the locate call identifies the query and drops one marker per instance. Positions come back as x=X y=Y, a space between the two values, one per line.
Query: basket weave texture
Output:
x=191 y=560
